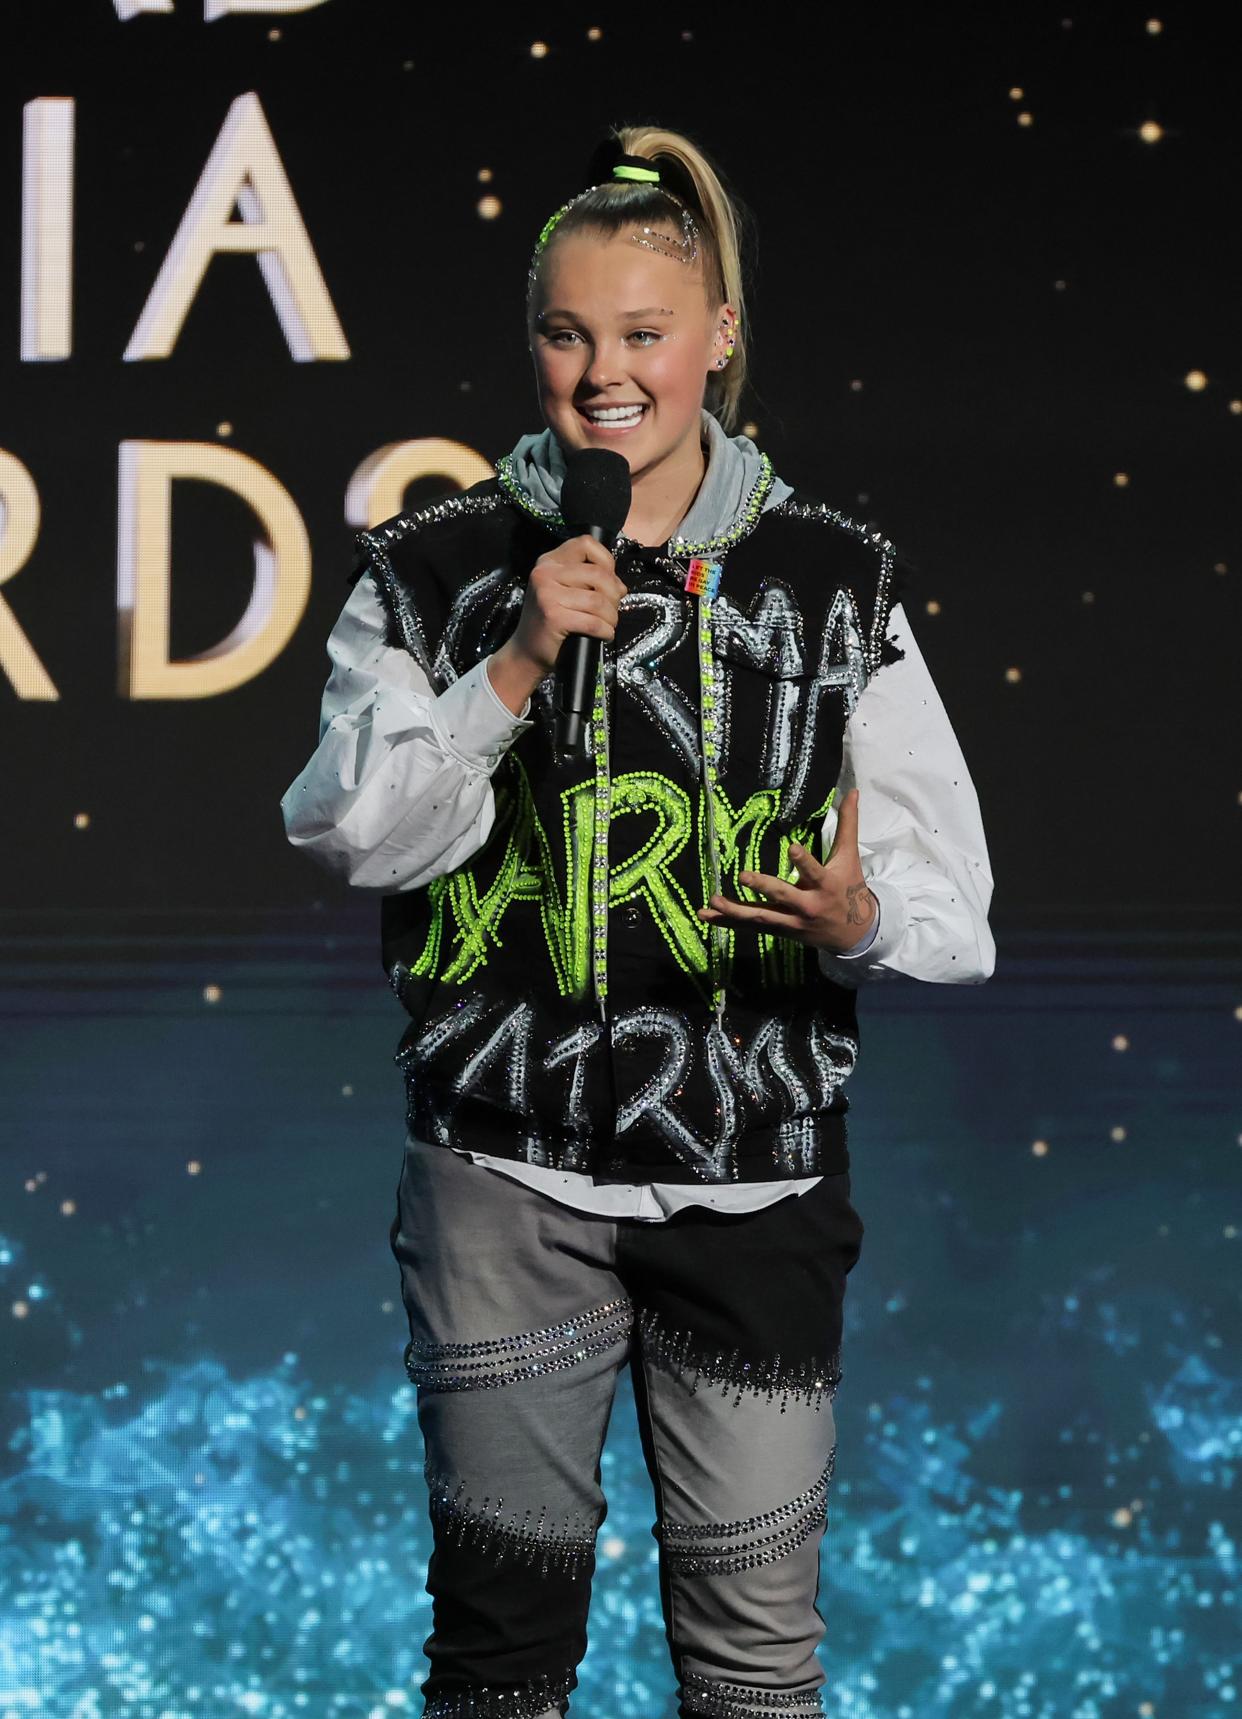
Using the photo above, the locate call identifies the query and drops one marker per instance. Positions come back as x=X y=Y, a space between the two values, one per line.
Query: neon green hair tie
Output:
x=648 y=175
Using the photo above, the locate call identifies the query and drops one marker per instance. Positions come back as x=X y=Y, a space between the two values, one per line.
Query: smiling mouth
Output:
x=614 y=418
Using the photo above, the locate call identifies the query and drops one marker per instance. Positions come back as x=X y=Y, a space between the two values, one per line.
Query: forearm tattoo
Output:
x=857 y=909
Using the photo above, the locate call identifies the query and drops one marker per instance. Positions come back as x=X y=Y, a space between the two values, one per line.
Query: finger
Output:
x=810 y=871
x=591 y=551
x=586 y=597
x=590 y=575
x=780 y=894
x=757 y=918
x=568 y=618
x=846 y=833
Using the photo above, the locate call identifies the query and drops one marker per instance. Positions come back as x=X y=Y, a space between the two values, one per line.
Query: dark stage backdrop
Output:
x=969 y=331
x=263 y=279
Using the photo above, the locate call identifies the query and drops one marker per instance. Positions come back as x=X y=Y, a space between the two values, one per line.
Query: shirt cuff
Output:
x=890 y=925
x=472 y=722
x=500 y=704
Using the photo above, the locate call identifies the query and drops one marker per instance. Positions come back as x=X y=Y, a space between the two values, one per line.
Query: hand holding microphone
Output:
x=572 y=597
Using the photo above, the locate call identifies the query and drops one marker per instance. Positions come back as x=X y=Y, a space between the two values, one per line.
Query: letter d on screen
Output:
x=282 y=576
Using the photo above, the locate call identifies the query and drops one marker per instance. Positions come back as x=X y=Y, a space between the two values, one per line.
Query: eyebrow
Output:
x=626 y=315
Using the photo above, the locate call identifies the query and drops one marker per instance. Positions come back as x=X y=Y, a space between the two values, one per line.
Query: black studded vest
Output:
x=568 y=1008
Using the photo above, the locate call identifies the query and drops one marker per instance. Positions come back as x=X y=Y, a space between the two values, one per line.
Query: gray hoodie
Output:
x=733 y=467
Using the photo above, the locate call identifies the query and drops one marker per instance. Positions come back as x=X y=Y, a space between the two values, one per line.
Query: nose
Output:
x=606 y=367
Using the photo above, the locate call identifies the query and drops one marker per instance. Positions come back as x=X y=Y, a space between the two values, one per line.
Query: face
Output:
x=623 y=341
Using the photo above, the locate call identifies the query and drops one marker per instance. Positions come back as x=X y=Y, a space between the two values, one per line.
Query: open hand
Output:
x=829 y=907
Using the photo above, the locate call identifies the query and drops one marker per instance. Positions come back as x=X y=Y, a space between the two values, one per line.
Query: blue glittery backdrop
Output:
x=212 y=1500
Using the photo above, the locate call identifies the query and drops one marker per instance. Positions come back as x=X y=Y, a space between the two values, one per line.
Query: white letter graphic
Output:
x=245 y=169
x=47 y=227
x=143 y=575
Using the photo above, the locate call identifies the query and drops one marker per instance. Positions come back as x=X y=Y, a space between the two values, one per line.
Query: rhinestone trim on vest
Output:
x=745 y=523
x=374 y=543
x=601 y=805
x=717 y=931
x=829 y=515
x=742 y=527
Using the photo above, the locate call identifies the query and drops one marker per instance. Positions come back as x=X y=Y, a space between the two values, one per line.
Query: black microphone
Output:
x=595 y=502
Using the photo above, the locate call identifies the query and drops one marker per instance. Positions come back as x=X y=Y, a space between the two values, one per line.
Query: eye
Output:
x=646 y=336
x=559 y=336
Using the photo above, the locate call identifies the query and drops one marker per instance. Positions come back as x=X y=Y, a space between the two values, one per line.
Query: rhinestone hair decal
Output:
x=684 y=249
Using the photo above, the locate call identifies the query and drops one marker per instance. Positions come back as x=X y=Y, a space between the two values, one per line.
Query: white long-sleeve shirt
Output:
x=398 y=791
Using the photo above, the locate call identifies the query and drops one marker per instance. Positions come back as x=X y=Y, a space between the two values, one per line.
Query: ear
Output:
x=723 y=336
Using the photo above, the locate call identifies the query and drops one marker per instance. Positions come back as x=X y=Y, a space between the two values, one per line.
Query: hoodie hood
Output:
x=536 y=468
x=738 y=486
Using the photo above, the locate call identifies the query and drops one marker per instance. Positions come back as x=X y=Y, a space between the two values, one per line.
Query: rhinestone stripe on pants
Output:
x=523 y=1313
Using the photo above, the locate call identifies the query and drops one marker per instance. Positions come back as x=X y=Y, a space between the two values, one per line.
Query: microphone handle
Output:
x=577 y=670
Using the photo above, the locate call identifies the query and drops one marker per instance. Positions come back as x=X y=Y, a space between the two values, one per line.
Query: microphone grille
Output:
x=596 y=490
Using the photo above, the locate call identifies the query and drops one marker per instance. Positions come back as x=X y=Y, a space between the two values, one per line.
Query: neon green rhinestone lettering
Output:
x=477 y=917
x=527 y=873
x=569 y=934
x=429 y=959
x=741 y=834
x=646 y=872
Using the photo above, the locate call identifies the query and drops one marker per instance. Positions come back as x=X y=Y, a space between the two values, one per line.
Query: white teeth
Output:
x=615 y=414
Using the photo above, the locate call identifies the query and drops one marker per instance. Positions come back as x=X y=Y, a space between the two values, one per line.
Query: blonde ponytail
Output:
x=724 y=220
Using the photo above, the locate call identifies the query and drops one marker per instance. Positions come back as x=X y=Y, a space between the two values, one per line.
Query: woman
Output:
x=632 y=979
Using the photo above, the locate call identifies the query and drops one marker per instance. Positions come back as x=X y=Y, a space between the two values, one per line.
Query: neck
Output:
x=661 y=496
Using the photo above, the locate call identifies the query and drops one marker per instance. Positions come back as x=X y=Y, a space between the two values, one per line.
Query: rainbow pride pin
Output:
x=703 y=577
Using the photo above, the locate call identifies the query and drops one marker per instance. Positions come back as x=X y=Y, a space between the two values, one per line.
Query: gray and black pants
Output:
x=522 y=1314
